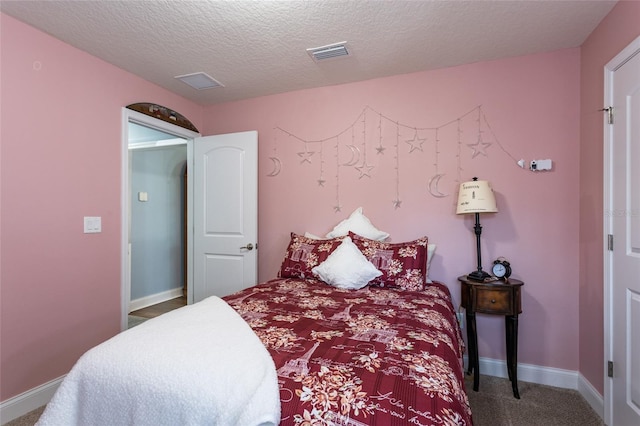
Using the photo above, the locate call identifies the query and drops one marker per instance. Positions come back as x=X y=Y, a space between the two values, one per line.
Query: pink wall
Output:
x=61 y=142
x=532 y=106
x=60 y=161
x=613 y=34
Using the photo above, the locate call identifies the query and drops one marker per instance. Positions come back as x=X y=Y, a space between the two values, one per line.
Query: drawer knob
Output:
x=493 y=300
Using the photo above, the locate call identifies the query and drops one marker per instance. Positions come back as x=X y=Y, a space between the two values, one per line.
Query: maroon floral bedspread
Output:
x=375 y=356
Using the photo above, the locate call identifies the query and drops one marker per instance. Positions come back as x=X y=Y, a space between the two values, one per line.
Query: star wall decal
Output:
x=380 y=149
x=337 y=208
x=321 y=182
x=396 y=204
x=479 y=147
x=415 y=143
x=364 y=170
x=306 y=156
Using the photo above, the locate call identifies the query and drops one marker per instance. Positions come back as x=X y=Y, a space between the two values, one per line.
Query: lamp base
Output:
x=478 y=275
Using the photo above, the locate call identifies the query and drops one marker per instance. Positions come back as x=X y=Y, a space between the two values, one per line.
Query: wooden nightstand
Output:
x=495 y=298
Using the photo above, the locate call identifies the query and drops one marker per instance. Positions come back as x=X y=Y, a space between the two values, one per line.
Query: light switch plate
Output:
x=92 y=224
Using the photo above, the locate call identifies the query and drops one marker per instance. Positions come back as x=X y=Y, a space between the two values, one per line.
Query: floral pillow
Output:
x=303 y=254
x=403 y=265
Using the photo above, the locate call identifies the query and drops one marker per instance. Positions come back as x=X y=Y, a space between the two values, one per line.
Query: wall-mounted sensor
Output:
x=544 y=164
x=536 y=165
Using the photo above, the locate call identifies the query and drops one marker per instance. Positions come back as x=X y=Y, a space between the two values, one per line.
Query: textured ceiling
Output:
x=257 y=48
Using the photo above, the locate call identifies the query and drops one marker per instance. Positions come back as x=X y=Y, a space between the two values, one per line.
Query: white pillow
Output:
x=431 y=248
x=346 y=267
x=359 y=224
x=313 y=236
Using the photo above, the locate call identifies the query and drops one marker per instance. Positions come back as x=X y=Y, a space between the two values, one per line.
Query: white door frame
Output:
x=130 y=116
x=609 y=69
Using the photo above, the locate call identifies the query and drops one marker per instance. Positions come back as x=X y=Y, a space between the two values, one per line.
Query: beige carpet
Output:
x=494 y=405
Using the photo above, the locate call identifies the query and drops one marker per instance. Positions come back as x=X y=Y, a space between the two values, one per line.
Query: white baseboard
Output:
x=549 y=376
x=593 y=397
x=27 y=401
x=154 y=299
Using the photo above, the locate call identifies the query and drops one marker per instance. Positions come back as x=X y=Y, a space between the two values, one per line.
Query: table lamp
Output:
x=476 y=197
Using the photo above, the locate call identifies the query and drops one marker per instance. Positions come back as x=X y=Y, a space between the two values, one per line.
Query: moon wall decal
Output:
x=433 y=186
x=355 y=156
x=277 y=166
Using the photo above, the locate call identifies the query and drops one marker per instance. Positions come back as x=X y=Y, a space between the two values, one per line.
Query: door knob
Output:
x=248 y=247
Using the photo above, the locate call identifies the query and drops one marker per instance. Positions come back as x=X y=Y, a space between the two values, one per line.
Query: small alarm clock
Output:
x=501 y=268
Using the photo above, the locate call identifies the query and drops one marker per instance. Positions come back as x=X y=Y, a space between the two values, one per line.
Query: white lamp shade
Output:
x=476 y=197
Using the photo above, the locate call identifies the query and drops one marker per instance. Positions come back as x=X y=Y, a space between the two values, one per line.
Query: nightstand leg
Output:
x=512 y=352
x=508 y=326
x=472 y=341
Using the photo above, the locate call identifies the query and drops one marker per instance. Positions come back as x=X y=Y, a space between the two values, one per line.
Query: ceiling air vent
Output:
x=329 y=51
x=199 y=80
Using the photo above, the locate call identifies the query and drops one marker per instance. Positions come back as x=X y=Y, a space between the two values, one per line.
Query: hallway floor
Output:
x=161 y=308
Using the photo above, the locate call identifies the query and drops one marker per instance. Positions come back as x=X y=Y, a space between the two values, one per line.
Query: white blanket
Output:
x=201 y=364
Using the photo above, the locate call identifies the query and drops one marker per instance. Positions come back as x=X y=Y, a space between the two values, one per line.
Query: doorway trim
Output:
x=614 y=64
x=130 y=116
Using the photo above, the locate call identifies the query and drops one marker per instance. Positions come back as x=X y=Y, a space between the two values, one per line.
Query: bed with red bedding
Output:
x=373 y=356
x=352 y=332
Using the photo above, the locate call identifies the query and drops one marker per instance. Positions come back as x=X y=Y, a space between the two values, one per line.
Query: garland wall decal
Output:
x=406 y=140
x=397 y=202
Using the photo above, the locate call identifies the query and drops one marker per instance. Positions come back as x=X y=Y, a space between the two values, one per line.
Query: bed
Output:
x=374 y=356
x=351 y=332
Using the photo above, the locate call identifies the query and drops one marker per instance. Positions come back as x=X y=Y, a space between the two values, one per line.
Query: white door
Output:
x=622 y=406
x=225 y=219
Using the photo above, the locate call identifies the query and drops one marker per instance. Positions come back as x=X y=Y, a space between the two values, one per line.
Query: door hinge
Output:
x=610 y=242
x=609 y=111
x=609 y=368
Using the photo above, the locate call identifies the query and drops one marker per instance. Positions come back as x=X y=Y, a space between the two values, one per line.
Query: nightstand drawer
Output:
x=493 y=301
